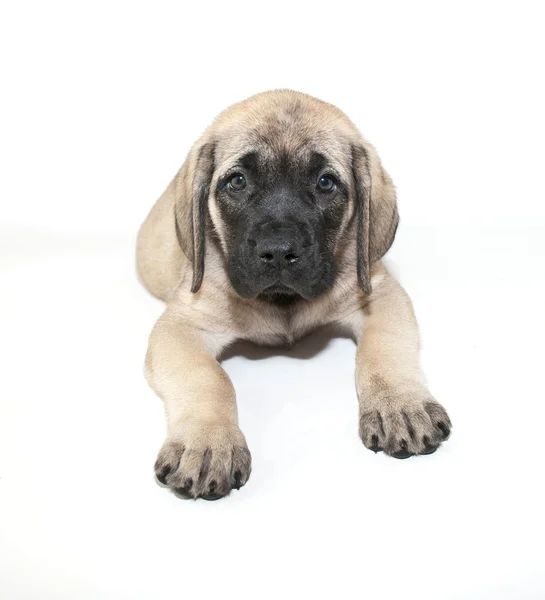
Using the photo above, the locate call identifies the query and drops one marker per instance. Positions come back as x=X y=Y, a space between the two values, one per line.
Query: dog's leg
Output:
x=205 y=453
x=397 y=412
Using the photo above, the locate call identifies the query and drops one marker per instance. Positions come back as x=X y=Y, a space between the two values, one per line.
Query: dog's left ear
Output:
x=376 y=210
x=192 y=189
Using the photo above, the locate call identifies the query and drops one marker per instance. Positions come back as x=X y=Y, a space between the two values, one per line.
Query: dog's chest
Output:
x=274 y=326
x=277 y=327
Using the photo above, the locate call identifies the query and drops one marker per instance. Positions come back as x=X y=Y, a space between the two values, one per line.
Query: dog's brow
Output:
x=317 y=161
x=249 y=160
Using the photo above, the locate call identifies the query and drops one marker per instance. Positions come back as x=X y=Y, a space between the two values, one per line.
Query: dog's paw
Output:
x=204 y=461
x=404 y=425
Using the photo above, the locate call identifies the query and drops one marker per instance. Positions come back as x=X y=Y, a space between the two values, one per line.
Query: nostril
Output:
x=266 y=257
x=291 y=258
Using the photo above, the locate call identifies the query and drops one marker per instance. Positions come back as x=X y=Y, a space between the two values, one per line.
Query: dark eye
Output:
x=237 y=182
x=326 y=183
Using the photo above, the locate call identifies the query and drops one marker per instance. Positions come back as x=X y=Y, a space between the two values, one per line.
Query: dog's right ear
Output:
x=191 y=189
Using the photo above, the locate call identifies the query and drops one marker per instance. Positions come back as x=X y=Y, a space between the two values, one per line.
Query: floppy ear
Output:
x=192 y=188
x=376 y=211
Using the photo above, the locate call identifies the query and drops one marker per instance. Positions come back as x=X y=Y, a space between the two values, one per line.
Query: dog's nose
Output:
x=277 y=252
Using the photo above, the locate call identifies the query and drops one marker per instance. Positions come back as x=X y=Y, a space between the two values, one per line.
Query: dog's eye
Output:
x=237 y=182
x=326 y=183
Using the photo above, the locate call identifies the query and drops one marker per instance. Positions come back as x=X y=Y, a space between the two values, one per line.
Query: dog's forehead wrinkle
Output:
x=274 y=135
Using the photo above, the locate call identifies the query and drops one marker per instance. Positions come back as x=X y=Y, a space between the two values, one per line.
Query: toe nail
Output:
x=211 y=497
x=403 y=453
x=185 y=489
x=445 y=429
x=374 y=444
x=163 y=474
x=429 y=448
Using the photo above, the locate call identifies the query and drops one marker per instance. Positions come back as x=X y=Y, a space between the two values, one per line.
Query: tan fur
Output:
x=397 y=411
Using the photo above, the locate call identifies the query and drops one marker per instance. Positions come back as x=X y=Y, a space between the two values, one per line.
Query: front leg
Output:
x=205 y=453
x=397 y=412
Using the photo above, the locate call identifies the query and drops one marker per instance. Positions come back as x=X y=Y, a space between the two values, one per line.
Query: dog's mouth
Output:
x=279 y=288
x=279 y=294
x=282 y=288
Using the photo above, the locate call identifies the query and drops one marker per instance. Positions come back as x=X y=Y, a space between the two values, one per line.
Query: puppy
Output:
x=275 y=225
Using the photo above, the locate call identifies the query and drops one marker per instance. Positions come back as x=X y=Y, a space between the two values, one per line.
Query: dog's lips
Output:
x=278 y=288
x=279 y=294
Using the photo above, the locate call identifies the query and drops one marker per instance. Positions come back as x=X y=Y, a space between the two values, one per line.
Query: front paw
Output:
x=203 y=461
x=404 y=424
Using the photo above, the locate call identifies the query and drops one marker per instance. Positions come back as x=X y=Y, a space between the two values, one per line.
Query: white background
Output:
x=100 y=102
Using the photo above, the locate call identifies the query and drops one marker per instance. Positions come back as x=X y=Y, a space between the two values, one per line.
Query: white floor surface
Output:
x=81 y=516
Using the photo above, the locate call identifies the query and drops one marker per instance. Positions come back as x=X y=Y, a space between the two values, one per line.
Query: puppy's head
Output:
x=283 y=183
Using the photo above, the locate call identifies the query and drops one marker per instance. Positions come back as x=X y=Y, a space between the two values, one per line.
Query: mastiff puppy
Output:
x=275 y=225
